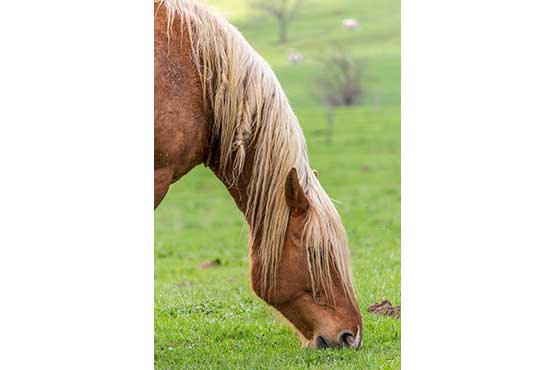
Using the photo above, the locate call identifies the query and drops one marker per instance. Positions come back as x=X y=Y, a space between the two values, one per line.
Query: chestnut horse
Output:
x=218 y=103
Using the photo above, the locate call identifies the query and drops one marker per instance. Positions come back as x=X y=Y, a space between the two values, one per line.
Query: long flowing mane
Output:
x=249 y=106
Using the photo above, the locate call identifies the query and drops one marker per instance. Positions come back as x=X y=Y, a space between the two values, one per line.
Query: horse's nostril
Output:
x=347 y=339
x=321 y=342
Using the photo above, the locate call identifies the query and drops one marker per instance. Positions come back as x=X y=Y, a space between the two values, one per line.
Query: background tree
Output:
x=283 y=10
x=340 y=84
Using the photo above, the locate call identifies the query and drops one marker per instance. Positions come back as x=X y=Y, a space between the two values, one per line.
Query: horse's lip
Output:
x=358 y=339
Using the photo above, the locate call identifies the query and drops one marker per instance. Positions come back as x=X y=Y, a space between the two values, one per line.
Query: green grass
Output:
x=210 y=318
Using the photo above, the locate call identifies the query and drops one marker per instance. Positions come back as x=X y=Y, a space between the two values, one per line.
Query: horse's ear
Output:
x=294 y=193
x=315 y=173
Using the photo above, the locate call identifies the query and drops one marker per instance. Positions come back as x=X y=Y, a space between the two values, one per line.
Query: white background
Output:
x=76 y=228
x=478 y=185
x=76 y=144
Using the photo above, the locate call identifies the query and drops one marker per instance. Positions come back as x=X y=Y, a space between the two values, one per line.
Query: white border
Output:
x=76 y=248
x=478 y=186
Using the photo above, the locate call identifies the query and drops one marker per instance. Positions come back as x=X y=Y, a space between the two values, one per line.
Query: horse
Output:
x=219 y=104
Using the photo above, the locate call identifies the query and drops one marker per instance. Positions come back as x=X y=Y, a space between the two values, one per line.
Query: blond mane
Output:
x=249 y=105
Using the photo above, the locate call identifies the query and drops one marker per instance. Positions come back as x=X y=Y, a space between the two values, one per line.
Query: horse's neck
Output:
x=238 y=190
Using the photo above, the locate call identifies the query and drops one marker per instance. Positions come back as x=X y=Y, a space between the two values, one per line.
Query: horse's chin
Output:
x=308 y=343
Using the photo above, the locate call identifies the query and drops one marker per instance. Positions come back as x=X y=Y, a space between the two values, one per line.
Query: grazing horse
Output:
x=218 y=103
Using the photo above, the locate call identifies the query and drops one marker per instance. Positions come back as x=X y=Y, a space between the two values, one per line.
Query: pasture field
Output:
x=210 y=318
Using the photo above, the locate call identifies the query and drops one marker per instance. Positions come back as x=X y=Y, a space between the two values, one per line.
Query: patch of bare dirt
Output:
x=184 y=284
x=385 y=308
x=210 y=264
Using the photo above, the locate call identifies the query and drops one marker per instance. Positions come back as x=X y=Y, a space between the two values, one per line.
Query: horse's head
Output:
x=323 y=310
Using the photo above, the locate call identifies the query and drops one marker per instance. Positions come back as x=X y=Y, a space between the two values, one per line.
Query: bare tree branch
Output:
x=283 y=10
x=340 y=84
